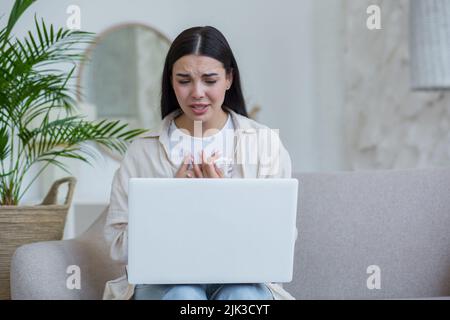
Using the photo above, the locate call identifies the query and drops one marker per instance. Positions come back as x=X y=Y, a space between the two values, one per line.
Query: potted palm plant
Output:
x=39 y=126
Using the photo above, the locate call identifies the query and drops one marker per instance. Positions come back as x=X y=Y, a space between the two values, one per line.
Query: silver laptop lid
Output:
x=211 y=230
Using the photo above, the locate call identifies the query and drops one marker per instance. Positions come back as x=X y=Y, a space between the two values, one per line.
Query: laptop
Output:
x=211 y=230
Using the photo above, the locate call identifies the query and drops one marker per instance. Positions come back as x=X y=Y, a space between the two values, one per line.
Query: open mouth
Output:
x=199 y=109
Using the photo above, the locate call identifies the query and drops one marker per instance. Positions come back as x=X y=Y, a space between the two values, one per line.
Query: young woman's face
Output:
x=200 y=84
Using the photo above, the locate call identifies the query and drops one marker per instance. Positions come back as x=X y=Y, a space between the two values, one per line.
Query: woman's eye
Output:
x=207 y=81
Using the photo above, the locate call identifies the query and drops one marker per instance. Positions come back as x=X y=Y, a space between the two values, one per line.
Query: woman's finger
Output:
x=198 y=172
x=207 y=167
x=218 y=171
x=181 y=173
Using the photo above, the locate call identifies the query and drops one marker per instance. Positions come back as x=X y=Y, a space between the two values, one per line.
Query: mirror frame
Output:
x=88 y=53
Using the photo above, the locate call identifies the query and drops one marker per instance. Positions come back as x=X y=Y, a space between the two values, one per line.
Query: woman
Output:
x=201 y=103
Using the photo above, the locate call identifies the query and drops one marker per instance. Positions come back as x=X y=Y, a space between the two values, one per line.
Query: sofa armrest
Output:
x=40 y=270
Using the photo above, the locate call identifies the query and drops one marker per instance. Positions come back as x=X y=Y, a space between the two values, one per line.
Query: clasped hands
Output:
x=206 y=169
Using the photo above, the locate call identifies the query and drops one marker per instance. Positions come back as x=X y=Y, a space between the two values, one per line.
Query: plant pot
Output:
x=20 y=225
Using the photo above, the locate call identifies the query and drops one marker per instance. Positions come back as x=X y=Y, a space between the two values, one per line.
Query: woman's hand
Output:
x=183 y=171
x=207 y=169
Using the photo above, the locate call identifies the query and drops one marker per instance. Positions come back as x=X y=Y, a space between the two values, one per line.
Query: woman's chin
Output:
x=194 y=117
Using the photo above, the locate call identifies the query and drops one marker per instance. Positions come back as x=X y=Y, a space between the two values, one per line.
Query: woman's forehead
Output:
x=198 y=65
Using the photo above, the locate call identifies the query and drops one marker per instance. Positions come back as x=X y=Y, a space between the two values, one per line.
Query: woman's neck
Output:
x=217 y=123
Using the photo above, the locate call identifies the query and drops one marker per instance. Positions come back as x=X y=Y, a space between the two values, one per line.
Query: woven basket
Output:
x=20 y=225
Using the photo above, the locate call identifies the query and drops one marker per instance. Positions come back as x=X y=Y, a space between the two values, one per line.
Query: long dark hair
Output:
x=205 y=41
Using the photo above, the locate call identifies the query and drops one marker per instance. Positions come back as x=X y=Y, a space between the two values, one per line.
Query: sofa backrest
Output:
x=373 y=234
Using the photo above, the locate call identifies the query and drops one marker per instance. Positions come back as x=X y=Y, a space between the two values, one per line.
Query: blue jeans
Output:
x=244 y=291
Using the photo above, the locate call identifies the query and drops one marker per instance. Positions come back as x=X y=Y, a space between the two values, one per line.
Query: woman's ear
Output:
x=229 y=78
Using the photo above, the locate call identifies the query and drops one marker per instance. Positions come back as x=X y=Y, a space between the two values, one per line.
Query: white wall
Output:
x=328 y=88
x=287 y=52
x=390 y=126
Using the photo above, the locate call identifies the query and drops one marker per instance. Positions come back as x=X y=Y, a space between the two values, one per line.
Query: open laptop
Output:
x=211 y=230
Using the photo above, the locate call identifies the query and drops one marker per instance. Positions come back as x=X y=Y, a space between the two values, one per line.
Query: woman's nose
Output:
x=197 y=91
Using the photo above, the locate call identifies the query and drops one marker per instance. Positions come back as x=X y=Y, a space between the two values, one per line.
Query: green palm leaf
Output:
x=18 y=9
x=35 y=87
x=4 y=143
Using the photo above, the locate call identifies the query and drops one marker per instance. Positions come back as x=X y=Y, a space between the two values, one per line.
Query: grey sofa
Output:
x=397 y=221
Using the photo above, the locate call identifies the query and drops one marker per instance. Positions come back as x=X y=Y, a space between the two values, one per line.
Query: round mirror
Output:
x=121 y=77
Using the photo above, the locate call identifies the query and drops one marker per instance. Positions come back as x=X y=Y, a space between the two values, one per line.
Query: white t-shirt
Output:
x=182 y=143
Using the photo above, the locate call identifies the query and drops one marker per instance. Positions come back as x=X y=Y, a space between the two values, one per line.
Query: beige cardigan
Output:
x=148 y=157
